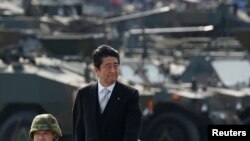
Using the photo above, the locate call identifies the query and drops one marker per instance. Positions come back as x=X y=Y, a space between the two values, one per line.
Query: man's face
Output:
x=108 y=72
x=43 y=136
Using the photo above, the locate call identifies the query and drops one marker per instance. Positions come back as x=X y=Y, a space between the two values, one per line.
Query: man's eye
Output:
x=108 y=67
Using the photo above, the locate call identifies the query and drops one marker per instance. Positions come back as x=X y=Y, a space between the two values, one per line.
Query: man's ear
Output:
x=95 y=70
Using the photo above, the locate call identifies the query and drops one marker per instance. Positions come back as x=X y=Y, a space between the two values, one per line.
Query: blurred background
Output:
x=189 y=59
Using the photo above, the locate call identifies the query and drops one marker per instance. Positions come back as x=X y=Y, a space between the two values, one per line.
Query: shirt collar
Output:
x=110 y=88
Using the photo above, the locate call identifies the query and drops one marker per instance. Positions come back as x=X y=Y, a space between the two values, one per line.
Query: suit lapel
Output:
x=94 y=110
x=112 y=106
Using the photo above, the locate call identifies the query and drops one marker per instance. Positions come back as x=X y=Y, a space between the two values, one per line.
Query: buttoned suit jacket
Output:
x=120 y=120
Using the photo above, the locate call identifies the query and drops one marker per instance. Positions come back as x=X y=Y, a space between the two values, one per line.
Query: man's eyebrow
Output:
x=112 y=63
x=107 y=64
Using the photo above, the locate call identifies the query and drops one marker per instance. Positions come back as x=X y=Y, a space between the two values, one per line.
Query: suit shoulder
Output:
x=86 y=88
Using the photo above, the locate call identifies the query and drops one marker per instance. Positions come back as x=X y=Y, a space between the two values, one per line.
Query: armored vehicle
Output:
x=214 y=90
x=182 y=111
x=28 y=89
x=34 y=81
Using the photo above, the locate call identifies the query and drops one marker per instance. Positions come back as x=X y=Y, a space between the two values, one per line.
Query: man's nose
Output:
x=113 y=69
x=41 y=138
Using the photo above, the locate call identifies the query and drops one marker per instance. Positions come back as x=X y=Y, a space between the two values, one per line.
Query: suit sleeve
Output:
x=133 y=118
x=78 y=124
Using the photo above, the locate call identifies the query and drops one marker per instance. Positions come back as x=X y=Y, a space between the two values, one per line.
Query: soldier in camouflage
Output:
x=45 y=128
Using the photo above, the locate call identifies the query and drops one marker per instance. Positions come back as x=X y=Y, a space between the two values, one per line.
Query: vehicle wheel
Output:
x=171 y=127
x=17 y=126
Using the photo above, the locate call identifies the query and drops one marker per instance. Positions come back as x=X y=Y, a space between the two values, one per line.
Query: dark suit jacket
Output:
x=120 y=121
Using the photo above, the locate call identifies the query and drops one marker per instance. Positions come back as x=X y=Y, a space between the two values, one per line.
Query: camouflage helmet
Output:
x=45 y=122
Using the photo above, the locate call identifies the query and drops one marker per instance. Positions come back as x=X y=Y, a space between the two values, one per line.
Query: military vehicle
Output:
x=29 y=88
x=40 y=70
x=223 y=17
x=31 y=84
x=183 y=111
x=35 y=79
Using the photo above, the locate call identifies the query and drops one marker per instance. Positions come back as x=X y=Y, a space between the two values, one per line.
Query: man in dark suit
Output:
x=94 y=119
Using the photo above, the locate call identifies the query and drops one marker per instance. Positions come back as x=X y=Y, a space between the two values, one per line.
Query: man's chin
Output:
x=112 y=80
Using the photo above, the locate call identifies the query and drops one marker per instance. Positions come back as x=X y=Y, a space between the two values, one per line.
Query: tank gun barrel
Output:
x=171 y=30
x=137 y=15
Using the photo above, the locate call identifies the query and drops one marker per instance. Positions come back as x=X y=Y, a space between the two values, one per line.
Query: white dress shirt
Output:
x=101 y=94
